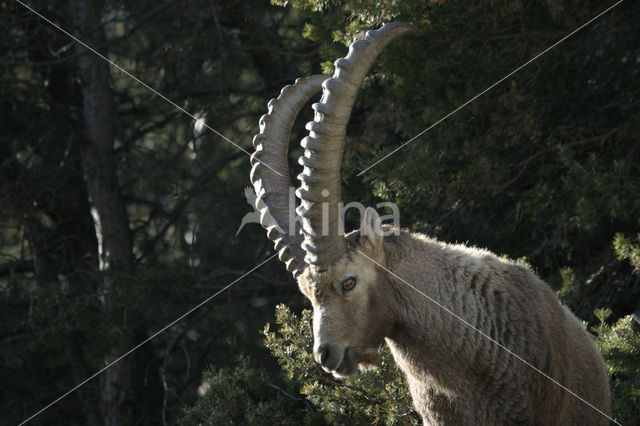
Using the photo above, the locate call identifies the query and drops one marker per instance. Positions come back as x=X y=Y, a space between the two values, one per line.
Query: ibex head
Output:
x=350 y=320
x=351 y=314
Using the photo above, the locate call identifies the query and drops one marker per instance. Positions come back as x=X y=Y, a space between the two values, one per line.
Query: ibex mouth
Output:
x=354 y=360
x=348 y=366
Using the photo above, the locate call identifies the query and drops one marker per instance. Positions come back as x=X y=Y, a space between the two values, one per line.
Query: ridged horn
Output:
x=271 y=154
x=322 y=158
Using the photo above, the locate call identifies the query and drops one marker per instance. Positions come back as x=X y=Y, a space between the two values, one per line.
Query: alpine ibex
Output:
x=481 y=340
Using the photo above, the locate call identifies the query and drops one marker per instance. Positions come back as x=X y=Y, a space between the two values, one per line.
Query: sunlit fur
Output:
x=457 y=376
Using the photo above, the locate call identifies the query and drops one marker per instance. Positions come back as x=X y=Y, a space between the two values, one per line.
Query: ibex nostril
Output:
x=322 y=354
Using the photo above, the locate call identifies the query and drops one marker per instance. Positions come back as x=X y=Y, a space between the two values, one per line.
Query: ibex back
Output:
x=481 y=340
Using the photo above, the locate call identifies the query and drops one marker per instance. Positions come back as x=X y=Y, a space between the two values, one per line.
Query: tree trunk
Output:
x=111 y=221
x=75 y=354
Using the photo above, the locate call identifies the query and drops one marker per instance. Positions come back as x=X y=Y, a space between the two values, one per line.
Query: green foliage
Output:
x=371 y=397
x=626 y=250
x=570 y=285
x=245 y=394
x=620 y=346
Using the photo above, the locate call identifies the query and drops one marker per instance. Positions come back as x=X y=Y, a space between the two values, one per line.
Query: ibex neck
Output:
x=430 y=341
x=430 y=345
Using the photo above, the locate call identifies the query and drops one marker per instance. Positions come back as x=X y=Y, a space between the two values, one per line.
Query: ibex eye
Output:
x=348 y=283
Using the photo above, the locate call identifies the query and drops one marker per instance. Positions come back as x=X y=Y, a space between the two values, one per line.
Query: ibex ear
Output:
x=371 y=231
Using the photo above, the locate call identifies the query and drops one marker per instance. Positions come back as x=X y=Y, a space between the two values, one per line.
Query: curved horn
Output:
x=271 y=155
x=322 y=159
